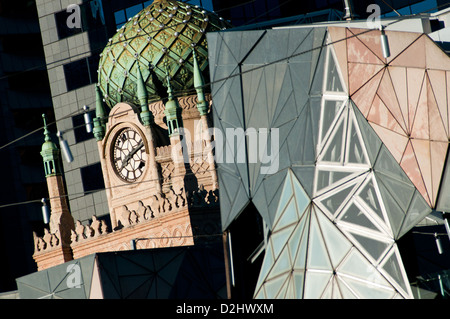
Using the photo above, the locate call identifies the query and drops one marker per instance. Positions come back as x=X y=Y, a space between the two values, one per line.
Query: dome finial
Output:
x=46 y=132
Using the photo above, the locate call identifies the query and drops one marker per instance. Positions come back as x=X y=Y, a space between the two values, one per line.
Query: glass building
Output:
x=349 y=162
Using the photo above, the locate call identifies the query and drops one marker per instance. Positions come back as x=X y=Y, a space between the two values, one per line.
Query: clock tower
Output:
x=160 y=182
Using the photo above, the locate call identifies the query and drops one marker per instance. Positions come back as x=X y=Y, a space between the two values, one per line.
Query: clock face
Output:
x=129 y=155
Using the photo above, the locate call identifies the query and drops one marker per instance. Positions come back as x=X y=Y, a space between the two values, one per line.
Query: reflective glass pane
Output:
x=282 y=264
x=356 y=265
x=290 y=292
x=402 y=191
x=345 y=291
x=273 y=286
x=369 y=195
x=266 y=266
x=317 y=250
x=279 y=239
x=286 y=193
x=333 y=80
x=337 y=244
x=356 y=151
x=315 y=283
x=333 y=152
x=367 y=291
x=333 y=202
x=393 y=268
x=416 y=212
x=298 y=280
x=300 y=196
x=374 y=247
x=394 y=212
x=355 y=215
x=287 y=216
x=327 y=178
x=299 y=248
x=330 y=111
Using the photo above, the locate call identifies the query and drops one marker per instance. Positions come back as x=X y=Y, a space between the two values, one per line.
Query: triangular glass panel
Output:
x=328 y=291
x=366 y=290
x=369 y=194
x=273 y=286
x=282 y=265
x=302 y=144
x=327 y=179
x=416 y=212
x=266 y=265
x=286 y=193
x=299 y=281
x=356 y=150
x=315 y=284
x=394 y=212
x=300 y=254
x=337 y=244
x=356 y=216
x=375 y=248
x=317 y=79
x=301 y=197
x=371 y=140
x=333 y=82
x=336 y=291
x=279 y=238
x=282 y=293
x=317 y=250
x=344 y=289
x=295 y=241
x=394 y=267
x=305 y=174
x=333 y=150
x=285 y=109
x=287 y=216
x=330 y=111
x=387 y=165
x=334 y=200
x=356 y=265
x=401 y=191
x=290 y=292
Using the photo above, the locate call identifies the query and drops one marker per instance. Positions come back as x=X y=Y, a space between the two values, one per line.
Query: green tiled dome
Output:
x=161 y=37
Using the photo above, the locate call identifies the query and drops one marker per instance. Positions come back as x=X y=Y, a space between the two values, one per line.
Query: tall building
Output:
x=24 y=96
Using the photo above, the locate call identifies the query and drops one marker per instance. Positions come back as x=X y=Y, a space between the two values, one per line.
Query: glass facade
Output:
x=340 y=198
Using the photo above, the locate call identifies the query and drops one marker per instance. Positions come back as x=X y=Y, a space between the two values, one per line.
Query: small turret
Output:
x=145 y=115
x=199 y=84
x=172 y=111
x=50 y=153
x=100 y=116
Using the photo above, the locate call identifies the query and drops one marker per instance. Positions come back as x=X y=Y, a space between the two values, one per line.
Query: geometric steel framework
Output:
x=342 y=195
x=341 y=244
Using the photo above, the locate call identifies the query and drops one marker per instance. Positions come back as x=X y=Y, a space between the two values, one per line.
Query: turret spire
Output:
x=100 y=116
x=146 y=115
x=199 y=83
x=172 y=110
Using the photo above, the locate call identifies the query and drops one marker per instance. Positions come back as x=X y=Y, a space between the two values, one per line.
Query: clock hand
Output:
x=129 y=156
